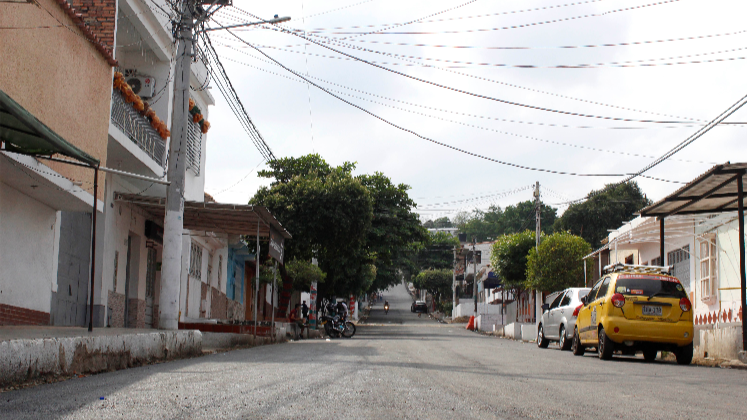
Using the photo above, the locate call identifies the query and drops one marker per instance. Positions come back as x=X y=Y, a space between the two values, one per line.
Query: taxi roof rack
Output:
x=636 y=268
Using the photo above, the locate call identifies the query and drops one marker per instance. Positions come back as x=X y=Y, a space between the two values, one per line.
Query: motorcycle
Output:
x=334 y=326
x=386 y=309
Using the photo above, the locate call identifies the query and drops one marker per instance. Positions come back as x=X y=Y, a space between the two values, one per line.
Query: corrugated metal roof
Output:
x=214 y=217
x=713 y=192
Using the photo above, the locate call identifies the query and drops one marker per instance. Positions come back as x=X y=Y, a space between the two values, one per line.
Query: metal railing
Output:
x=137 y=128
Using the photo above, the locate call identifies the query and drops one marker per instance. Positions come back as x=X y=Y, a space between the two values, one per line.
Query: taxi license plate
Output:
x=652 y=310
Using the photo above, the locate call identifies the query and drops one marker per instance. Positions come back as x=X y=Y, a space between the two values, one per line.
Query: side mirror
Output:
x=545 y=308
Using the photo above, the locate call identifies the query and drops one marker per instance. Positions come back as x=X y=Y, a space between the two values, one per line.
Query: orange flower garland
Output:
x=142 y=107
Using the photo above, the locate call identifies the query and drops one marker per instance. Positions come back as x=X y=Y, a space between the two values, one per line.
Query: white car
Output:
x=559 y=317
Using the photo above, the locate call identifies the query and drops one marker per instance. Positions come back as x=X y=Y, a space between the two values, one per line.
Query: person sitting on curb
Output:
x=295 y=316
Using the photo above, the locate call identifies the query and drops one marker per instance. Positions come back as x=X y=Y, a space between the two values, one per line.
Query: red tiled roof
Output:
x=81 y=24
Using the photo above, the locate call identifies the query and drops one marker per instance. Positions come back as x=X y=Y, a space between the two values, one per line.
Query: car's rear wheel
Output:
x=576 y=347
x=605 y=348
x=564 y=343
x=684 y=355
x=649 y=355
x=542 y=342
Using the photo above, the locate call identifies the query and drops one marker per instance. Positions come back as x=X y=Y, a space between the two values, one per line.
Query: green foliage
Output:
x=558 y=264
x=437 y=282
x=361 y=229
x=327 y=211
x=304 y=273
x=490 y=224
x=509 y=258
x=394 y=228
x=602 y=211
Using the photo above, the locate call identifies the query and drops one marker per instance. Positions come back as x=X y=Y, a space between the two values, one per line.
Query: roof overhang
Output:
x=23 y=133
x=713 y=192
x=233 y=219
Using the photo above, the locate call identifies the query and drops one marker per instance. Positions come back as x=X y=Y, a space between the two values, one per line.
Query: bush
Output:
x=558 y=264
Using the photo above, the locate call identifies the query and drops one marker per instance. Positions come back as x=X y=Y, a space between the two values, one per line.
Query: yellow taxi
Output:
x=635 y=308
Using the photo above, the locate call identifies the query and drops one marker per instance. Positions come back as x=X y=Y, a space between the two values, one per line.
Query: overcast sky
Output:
x=296 y=119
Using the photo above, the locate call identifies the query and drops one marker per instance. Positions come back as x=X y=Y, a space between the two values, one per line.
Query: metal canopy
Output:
x=214 y=217
x=24 y=133
x=713 y=192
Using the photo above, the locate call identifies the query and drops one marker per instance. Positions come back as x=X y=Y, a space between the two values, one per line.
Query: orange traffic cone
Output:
x=471 y=323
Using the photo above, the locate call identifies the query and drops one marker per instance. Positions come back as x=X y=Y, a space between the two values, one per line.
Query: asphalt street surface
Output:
x=398 y=366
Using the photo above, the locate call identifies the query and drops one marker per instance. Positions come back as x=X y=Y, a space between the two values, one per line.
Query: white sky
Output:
x=285 y=110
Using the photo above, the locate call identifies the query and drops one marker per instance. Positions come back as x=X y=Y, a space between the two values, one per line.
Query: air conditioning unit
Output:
x=144 y=86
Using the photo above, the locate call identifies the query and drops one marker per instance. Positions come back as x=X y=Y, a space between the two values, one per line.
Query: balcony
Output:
x=137 y=128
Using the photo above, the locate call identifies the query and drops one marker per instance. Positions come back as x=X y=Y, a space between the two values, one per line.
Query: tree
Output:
x=490 y=224
x=509 y=258
x=436 y=282
x=328 y=212
x=604 y=209
x=304 y=273
x=442 y=222
x=558 y=264
x=393 y=228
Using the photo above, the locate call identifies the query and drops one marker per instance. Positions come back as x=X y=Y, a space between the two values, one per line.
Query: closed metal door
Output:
x=150 y=287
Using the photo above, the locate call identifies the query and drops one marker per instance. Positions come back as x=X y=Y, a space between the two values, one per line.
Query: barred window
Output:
x=195 y=261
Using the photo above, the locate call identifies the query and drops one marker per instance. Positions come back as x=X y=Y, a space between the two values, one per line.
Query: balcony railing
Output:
x=137 y=128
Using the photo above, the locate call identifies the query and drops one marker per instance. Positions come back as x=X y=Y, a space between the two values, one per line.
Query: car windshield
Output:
x=649 y=286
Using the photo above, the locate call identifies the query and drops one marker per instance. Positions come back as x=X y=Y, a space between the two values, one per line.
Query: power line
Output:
x=511 y=12
x=424 y=137
x=501 y=28
x=472 y=125
x=695 y=136
x=521 y=48
x=613 y=64
x=229 y=93
x=477 y=95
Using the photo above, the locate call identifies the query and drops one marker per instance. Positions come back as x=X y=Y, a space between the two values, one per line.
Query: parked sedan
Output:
x=419 y=306
x=559 y=317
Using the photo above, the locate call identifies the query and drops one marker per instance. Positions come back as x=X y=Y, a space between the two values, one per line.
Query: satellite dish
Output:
x=135 y=84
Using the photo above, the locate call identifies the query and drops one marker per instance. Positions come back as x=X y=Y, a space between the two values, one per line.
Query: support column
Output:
x=742 y=274
x=93 y=244
x=256 y=283
x=661 y=241
x=453 y=286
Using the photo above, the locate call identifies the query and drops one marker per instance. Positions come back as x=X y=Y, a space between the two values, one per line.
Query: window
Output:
x=593 y=294
x=657 y=261
x=603 y=289
x=556 y=301
x=708 y=268
x=566 y=299
x=195 y=261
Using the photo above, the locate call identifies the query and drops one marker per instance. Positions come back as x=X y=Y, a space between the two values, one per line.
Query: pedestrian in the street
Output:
x=305 y=310
x=296 y=316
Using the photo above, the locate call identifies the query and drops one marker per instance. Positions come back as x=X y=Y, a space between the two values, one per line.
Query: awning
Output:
x=213 y=217
x=23 y=133
x=713 y=192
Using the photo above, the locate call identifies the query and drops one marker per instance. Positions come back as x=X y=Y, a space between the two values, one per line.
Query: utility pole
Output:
x=453 y=285
x=173 y=226
x=474 y=271
x=538 y=235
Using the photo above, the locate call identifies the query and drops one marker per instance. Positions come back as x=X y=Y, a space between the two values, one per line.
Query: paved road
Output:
x=400 y=367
